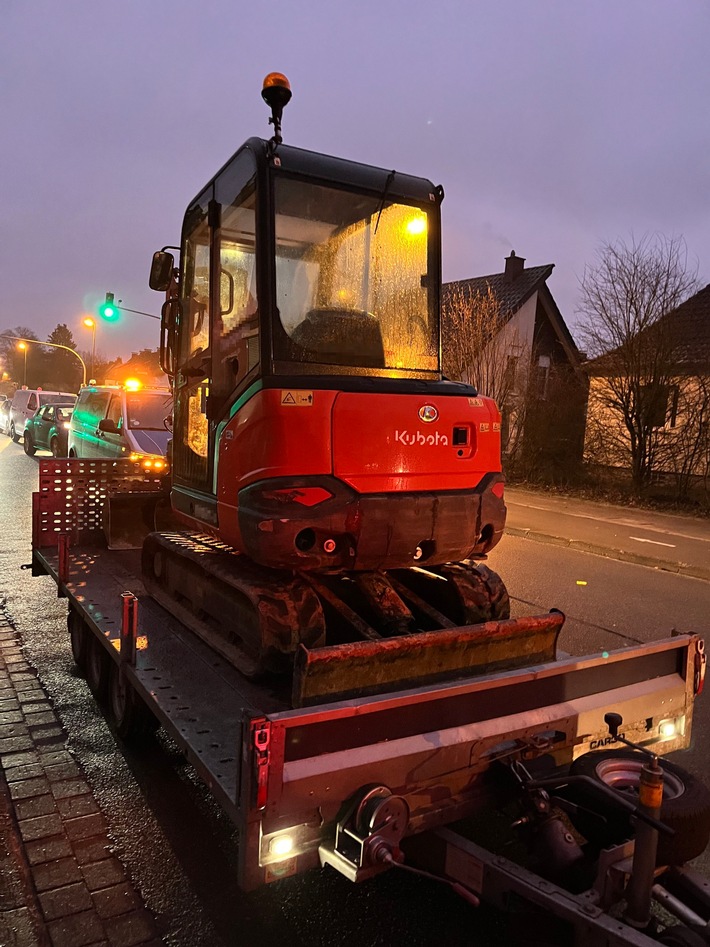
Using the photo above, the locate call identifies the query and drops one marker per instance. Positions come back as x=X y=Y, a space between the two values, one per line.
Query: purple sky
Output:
x=552 y=125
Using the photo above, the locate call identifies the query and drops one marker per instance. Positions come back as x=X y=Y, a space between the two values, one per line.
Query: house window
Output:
x=543 y=376
x=658 y=405
x=511 y=371
x=672 y=409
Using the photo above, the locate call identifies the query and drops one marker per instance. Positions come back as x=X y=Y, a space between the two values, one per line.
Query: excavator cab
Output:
x=301 y=331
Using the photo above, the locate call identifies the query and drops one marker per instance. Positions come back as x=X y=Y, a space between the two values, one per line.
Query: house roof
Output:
x=689 y=327
x=511 y=290
x=691 y=330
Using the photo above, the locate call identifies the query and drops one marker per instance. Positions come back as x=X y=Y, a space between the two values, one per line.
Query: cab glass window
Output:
x=190 y=452
x=194 y=319
x=235 y=341
x=352 y=279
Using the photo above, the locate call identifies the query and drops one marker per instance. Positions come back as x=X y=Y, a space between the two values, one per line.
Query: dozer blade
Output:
x=129 y=517
x=373 y=667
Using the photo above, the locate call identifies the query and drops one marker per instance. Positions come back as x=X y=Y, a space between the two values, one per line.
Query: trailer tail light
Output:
x=671 y=727
x=280 y=850
x=281 y=846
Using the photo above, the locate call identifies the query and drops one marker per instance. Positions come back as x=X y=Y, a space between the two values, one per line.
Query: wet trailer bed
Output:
x=198 y=697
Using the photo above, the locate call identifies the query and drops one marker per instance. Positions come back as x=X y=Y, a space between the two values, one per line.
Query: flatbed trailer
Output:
x=360 y=784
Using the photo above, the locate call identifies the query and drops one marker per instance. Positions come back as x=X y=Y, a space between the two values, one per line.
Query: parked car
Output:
x=122 y=422
x=5 y=416
x=48 y=429
x=25 y=402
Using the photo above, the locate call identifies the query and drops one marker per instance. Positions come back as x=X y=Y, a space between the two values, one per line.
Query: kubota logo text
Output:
x=421 y=440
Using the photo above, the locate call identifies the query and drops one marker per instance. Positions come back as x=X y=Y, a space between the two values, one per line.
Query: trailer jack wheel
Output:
x=131 y=718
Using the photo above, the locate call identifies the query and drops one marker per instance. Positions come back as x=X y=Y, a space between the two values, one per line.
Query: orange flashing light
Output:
x=132 y=384
x=277 y=80
x=149 y=461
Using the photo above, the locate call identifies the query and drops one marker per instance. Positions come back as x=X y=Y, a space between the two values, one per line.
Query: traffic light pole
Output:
x=109 y=309
x=51 y=345
x=138 y=312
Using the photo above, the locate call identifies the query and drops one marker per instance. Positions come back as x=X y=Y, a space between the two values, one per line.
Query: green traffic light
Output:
x=107 y=309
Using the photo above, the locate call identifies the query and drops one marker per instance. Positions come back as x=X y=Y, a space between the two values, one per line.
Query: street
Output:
x=666 y=541
x=180 y=850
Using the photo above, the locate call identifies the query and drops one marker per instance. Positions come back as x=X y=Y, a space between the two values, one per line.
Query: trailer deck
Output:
x=282 y=771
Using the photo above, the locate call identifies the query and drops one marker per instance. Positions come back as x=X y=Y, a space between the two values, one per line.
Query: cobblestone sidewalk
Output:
x=60 y=883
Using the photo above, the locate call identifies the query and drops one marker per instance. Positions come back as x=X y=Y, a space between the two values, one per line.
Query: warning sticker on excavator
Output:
x=297 y=399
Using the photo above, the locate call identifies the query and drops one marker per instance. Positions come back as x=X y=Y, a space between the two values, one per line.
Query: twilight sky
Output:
x=552 y=125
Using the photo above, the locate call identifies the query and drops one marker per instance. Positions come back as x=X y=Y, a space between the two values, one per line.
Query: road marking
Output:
x=652 y=541
x=5 y=443
x=614 y=521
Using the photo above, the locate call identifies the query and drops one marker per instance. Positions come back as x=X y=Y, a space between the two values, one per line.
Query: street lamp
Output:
x=91 y=324
x=52 y=345
x=22 y=346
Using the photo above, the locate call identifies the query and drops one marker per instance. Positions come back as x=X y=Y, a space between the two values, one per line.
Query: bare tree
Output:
x=482 y=347
x=625 y=299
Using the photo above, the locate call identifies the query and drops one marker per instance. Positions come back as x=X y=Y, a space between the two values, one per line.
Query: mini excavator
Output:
x=330 y=484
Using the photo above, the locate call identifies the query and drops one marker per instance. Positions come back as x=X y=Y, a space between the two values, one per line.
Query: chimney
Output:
x=514 y=265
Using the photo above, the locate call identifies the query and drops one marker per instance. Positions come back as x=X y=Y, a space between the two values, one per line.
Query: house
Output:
x=533 y=367
x=649 y=400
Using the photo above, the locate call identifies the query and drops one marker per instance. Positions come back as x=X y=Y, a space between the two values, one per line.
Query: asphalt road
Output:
x=181 y=850
x=666 y=541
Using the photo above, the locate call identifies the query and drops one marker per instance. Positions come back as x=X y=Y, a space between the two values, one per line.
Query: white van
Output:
x=120 y=422
x=25 y=402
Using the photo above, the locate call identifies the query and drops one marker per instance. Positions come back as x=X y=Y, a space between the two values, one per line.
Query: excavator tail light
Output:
x=306 y=496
